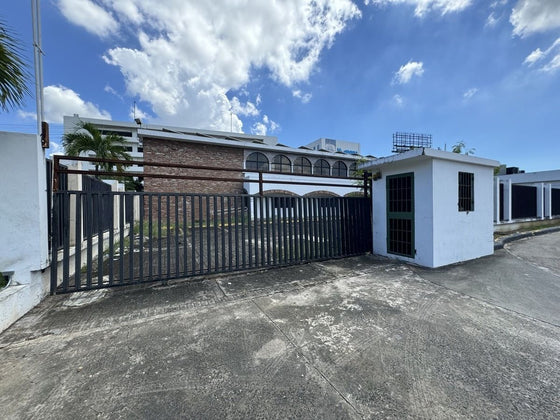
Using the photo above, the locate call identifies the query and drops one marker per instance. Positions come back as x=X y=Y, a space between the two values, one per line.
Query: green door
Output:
x=400 y=214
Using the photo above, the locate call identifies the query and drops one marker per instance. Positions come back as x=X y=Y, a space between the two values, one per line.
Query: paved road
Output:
x=354 y=338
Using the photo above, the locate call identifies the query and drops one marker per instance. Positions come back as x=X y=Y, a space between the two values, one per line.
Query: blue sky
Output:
x=484 y=72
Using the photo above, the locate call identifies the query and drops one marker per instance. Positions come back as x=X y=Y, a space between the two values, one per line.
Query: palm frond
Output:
x=13 y=76
x=88 y=138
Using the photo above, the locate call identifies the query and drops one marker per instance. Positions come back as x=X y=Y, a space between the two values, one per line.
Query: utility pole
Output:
x=42 y=127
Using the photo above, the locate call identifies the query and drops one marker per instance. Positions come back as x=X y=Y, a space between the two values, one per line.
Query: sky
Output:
x=479 y=71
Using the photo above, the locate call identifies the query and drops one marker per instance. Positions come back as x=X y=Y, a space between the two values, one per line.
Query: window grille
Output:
x=466 y=191
x=322 y=167
x=281 y=163
x=400 y=194
x=340 y=169
x=257 y=162
x=302 y=166
x=400 y=241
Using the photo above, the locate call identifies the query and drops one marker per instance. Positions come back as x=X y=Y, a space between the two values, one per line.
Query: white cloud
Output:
x=498 y=3
x=190 y=54
x=470 y=93
x=530 y=16
x=262 y=128
x=246 y=109
x=26 y=115
x=259 y=129
x=109 y=89
x=491 y=20
x=407 y=71
x=553 y=65
x=540 y=56
x=398 y=101
x=273 y=126
x=304 y=97
x=60 y=101
x=89 y=15
x=136 y=112
x=535 y=56
x=426 y=6
x=55 y=149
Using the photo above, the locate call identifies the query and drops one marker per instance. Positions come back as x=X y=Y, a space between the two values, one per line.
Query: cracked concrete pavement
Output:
x=362 y=337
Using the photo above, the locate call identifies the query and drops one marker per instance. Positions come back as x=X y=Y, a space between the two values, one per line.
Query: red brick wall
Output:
x=184 y=153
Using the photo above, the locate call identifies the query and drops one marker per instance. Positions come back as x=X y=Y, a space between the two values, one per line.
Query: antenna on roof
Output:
x=403 y=142
x=136 y=120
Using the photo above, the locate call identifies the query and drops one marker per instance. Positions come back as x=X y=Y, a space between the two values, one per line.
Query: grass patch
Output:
x=530 y=228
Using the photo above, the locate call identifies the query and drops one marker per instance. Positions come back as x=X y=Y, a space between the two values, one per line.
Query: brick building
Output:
x=277 y=162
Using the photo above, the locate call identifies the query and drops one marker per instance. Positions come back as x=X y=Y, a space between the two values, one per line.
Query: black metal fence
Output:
x=96 y=215
x=181 y=235
x=63 y=184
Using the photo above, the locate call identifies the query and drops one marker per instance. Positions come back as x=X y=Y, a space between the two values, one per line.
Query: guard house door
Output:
x=400 y=214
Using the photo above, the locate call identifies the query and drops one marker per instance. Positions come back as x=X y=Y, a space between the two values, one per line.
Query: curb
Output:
x=517 y=236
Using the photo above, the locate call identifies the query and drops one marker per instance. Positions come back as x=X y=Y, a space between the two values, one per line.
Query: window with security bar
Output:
x=466 y=191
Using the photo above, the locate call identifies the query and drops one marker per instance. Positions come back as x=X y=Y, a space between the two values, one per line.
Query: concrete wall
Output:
x=442 y=234
x=461 y=235
x=23 y=225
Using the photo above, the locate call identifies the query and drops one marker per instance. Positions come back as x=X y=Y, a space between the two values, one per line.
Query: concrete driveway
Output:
x=354 y=338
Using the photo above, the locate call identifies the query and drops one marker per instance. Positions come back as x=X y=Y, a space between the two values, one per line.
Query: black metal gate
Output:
x=110 y=239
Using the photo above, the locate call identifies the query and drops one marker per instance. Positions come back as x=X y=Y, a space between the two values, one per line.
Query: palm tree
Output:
x=13 y=77
x=460 y=146
x=87 y=138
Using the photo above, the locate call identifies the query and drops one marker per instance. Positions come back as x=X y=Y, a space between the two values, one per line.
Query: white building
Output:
x=432 y=207
x=278 y=162
x=332 y=145
x=534 y=195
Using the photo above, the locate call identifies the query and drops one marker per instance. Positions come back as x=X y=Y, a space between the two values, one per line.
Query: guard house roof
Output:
x=426 y=153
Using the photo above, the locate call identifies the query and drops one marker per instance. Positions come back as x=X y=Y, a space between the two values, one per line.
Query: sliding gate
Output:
x=106 y=239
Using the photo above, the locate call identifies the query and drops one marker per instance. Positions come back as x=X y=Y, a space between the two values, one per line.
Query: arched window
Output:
x=281 y=163
x=321 y=167
x=257 y=161
x=339 y=169
x=302 y=166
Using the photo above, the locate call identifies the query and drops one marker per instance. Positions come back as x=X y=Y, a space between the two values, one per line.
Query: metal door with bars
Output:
x=400 y=215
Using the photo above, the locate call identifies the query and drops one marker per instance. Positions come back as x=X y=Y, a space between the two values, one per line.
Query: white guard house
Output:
x=433 y=208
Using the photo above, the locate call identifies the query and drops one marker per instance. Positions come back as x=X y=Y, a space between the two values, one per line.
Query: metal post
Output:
x=366 y=176
x=497 y=199
x=261 y=192
x=56 y=175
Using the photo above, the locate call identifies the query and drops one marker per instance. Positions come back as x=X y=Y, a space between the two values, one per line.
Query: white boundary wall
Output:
x=23 y=225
